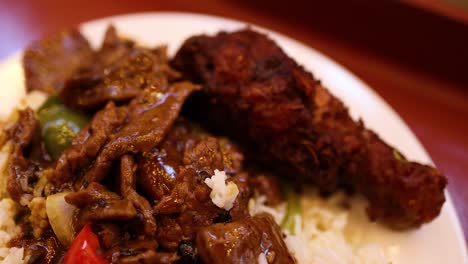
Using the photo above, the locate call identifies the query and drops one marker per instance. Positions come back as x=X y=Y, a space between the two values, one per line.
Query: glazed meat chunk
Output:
x=287 y=121
x=243 y=241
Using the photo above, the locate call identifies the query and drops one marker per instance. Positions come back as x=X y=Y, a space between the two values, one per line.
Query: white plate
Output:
x=441 y=241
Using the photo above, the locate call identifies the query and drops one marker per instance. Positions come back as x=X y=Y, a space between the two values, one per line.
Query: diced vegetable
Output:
x=294 y=208
x=59 y=125
x=60 y=214
x=84 y=249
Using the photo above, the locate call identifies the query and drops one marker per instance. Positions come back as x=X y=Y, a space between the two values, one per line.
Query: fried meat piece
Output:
x=287 y=121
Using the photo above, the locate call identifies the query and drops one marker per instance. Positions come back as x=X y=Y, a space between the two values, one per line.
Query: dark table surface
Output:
x=416 y=60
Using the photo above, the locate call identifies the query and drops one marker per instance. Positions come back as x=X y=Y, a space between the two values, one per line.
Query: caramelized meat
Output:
x=243 y=241
x=21 y=170
x=49 y=62
x=158 y=168
x=42 y=251
x=139 y=251
x=187 y=209
x=151 y=116
x=115 y=131
x=87 y=144
x=96 y=203
x=109 y=233
x=290 y=123
x=184 y=204
x=121 y=70
x=127 y=188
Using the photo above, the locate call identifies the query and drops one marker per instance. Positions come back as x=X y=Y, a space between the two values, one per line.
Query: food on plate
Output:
x=112 y=158
x=287 y=121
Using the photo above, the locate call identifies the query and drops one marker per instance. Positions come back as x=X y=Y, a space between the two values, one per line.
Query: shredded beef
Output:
x=140 y=251
x=109 y=233
x=49 y=62
x=157 y=169
x=127 y=188
x=242 y=242
x=152 y=114
x=120 y=71
x=96 y=203
x=21 y=170
x=189 y=206
x=42 y=251
x=87 y=144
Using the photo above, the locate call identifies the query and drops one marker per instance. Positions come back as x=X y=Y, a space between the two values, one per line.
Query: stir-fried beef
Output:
x=49 y=62
x=187 y=209
x=139 y=251
x=127 y=188
x=122 y=69
x=152 y=114
x=158 y=168
x=97 y=203
x=42 y=251
x=184 y=204
x=243 y=241
x=87 y=144
x=290 y=123
x=21 y=170
x=109 y=233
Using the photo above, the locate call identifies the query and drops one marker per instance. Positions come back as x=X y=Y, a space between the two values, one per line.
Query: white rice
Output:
x=321 y=235
x=9 y=208
x=8 y=229
x=222 y=194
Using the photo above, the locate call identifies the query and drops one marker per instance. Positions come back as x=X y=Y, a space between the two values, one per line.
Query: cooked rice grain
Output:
x=8 y=229
x=320 y=232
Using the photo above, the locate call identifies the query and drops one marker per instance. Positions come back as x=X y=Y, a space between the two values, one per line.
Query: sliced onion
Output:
x=60 y=214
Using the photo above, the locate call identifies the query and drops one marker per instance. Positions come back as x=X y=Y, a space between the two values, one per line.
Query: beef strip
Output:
x=109 y=233
x=139 y=251
x=21 y=170
x=49 y=62
x=96 y=203
x=42 y=251
x=288 y=122
x=189 y=207
x=121 y=71
x=157 y=169
x=151 y=116
x=243 y=241
x=127 y=188
x=89 y=141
